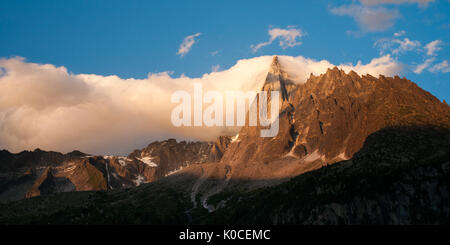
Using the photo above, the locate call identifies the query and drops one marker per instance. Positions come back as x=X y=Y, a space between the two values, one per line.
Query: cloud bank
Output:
x=47 y=107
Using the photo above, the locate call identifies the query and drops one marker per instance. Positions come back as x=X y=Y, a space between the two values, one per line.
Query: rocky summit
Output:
x=351 y=149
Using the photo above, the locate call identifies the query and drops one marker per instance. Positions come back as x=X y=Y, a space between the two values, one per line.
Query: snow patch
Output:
x=342 y=156
x=108 y=177
x=123 y=161
x=139 y=180
x=148 y=161
x=291 y=152
x=115 y=175
x=235 y=138
x=70 y=168
x=174 y=171
x=313 y=157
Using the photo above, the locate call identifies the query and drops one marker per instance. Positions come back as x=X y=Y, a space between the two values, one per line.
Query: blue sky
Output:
x=133 y=38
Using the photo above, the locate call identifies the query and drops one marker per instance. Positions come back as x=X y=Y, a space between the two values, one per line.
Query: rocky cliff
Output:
x=328 y=118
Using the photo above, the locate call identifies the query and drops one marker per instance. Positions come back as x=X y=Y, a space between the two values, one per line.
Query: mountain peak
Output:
x=275 y=67
x=277 y=80
x=276 y=70
x=335 y=71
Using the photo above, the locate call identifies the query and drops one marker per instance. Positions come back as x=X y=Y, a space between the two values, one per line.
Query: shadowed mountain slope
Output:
x=29 y=174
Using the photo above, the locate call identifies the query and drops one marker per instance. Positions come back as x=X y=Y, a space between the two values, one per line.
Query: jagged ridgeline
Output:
x=351 y=149
x=28 y=174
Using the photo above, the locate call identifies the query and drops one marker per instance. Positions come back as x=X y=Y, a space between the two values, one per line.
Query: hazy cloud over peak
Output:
x=48 y=107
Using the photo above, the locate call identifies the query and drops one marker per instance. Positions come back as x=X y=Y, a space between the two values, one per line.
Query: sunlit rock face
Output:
x=327 y=118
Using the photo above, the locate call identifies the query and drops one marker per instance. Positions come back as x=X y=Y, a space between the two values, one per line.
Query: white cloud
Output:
x=433 y=47
x=288 y=38
x=400 y=33
x=214 y=53
x=405 y=45
x=397 y=46
x=377 y=2
x=441 y=67
x=372 y=15
x=48 y=107
x=419 y=68
x=384 y=65
x=370 y=19
x=187 y=44
x=384 y=45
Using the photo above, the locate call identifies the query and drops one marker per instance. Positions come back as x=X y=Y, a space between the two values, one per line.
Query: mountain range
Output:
x=351 y=149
